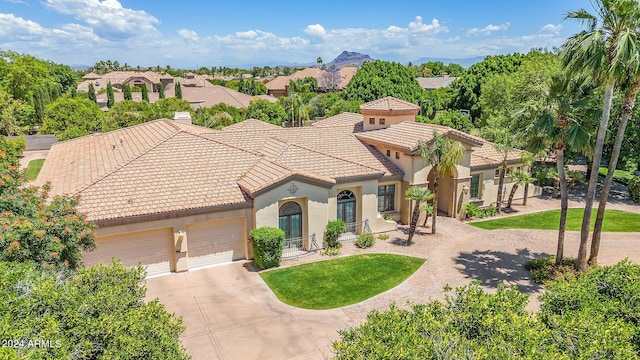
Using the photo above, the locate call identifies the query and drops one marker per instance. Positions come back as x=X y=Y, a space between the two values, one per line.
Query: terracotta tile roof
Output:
x=432 y=83
x=281 y=82
x=351 y=121
x=389 y=103
x=405 y=136
x=251 y=125
x=487 y=156
x=346 y=73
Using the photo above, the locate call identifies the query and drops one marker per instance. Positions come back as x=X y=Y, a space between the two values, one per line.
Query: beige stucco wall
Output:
x=488 y=189
x=389 y=120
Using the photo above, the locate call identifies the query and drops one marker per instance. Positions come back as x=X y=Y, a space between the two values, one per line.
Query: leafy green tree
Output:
x=92 y=94
x=178 y=93
x=9 y=108
x=110 y=98
x=602 y=51
x=265 y=110
x=145 y=93
x=378 y=79
x=442 y=155
x=69 y=117
x=127 y=113
x=505 y=143
x=165 y=108
x=126 y=92
x=418 y=195
x=450 y=118
x=160 y=91
x=95 y=313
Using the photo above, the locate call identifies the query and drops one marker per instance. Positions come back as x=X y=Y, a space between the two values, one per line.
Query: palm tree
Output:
x=561 y=125
x=504 y=144
x=442 y=155
x=418 y=195
x=520 y=178
x=527 y=159
x=428 y=209
x=602 y=52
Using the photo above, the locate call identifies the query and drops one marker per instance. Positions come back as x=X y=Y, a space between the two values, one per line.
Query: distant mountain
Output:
x=462 y=62
x=348 y=58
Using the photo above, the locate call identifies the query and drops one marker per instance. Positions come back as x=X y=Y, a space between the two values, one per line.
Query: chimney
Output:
x=183 y=117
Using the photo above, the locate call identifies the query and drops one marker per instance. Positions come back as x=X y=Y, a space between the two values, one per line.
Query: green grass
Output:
x=33 y=169
x=620 y=176
x=339 y=282
x=614 y=221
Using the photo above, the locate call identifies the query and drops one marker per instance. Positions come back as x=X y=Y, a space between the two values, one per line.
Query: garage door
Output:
x=152 y=248
x=215 y=242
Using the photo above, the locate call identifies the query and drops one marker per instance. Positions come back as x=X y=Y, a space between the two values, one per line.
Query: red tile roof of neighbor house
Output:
x=281 y=82
x=389 y=104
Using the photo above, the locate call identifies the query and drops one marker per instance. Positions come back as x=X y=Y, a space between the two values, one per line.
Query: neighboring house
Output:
x=195 y=89
x=432 y=83
x=175 y=196
x=279 y=86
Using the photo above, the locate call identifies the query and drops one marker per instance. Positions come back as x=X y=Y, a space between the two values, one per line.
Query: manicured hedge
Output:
x=267 y=246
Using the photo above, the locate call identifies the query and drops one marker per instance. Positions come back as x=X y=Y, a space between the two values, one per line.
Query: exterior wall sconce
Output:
x=181 y=241
x=465 y=189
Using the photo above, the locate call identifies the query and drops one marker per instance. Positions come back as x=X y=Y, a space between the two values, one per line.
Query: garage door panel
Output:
x=215 y=242
x=152 y=248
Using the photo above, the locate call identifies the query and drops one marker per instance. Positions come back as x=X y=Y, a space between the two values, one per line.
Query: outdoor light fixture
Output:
x=465 y=189
x=180 y=235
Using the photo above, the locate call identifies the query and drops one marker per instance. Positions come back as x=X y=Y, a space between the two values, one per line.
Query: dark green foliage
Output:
x=545 y=269
x=37 y=228
x=634 y=189
x=145 y=93
x=467 y=87
x=178 y=92
x=450 y=118
x=267 y=246
x=333 y=231
x=92 y=93
x=40 y=100
x=378 y=79
x=69 y=117
x=218 y=116
x=308 y=84
x=110 y=98
x=97 y=313
x=165 y=108
x=10 y=151
x=544 y=175
x=265 y=110
x=472 y=211
x=251 y=87
x=595 y=316
x=365 y=240
x=160 y=91
x=126 y=92
x=127 y=113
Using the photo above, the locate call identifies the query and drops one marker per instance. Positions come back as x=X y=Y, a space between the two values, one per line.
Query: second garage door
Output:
x=215 y=242
x=152 y=248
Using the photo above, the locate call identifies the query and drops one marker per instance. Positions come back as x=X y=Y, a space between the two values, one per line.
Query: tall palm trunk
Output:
x=414 y=221
x=627 y=110
x=514 y=188
x=434 y=216
x=581 y=263
x=503 y=172
x=564 y=204
x=526 y=194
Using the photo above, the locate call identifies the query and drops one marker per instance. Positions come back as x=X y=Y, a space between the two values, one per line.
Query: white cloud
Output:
x=551 y=29
x=433 y=28
x=487 y=30
x=315 y=30
x=13 y=27
x=107 y=18
x=247 y=34
x=188 y=35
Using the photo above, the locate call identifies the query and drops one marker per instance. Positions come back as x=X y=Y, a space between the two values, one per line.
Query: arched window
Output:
x=290 y=219
x=347 y=206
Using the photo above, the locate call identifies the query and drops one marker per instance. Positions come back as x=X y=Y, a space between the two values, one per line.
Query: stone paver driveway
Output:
x=231 y=314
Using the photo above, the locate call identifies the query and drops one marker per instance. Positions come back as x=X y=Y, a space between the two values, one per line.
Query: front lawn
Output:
x=614 y=221
x=339 y=282
x=33 y=169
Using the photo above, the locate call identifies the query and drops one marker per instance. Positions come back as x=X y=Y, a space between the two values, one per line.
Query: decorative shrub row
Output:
x=472 y=211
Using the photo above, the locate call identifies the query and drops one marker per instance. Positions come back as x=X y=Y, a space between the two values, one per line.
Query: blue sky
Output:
x=190 y=34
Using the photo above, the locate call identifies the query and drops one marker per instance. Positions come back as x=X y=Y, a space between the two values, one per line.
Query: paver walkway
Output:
x=231 y=314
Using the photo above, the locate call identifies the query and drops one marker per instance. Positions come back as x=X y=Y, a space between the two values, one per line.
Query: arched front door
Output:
x=290 y=220
x=347 y=206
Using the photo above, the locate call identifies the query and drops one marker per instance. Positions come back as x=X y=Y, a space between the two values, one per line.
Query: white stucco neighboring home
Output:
x=175 y=196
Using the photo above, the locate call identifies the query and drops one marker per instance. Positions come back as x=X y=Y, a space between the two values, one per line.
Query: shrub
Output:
x=386 y=216
x=267 y=246
x=473 y=211
x=331 y=251
x=333 y=231
x=365 y=240
x=634 y=189
x=19 y=144
x=576 y=177
x=383 y=236
x=544 y=175
x=543 y=270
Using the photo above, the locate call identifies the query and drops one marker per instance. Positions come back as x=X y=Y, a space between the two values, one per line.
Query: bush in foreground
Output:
x=267 y=246
x=596 y=316
x=365 y=240
x=543 y=270
x=634 y=189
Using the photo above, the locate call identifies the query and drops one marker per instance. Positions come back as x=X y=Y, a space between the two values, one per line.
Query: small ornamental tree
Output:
x=634 y=189
x=126 y=92
x=160 y=91
x=92 y=93
x=37 y=228
x=178 y=91
x=110 y=99
x=267 y=246
x=145 y=93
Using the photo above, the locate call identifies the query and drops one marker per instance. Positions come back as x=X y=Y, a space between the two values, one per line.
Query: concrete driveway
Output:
x=230 y=313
